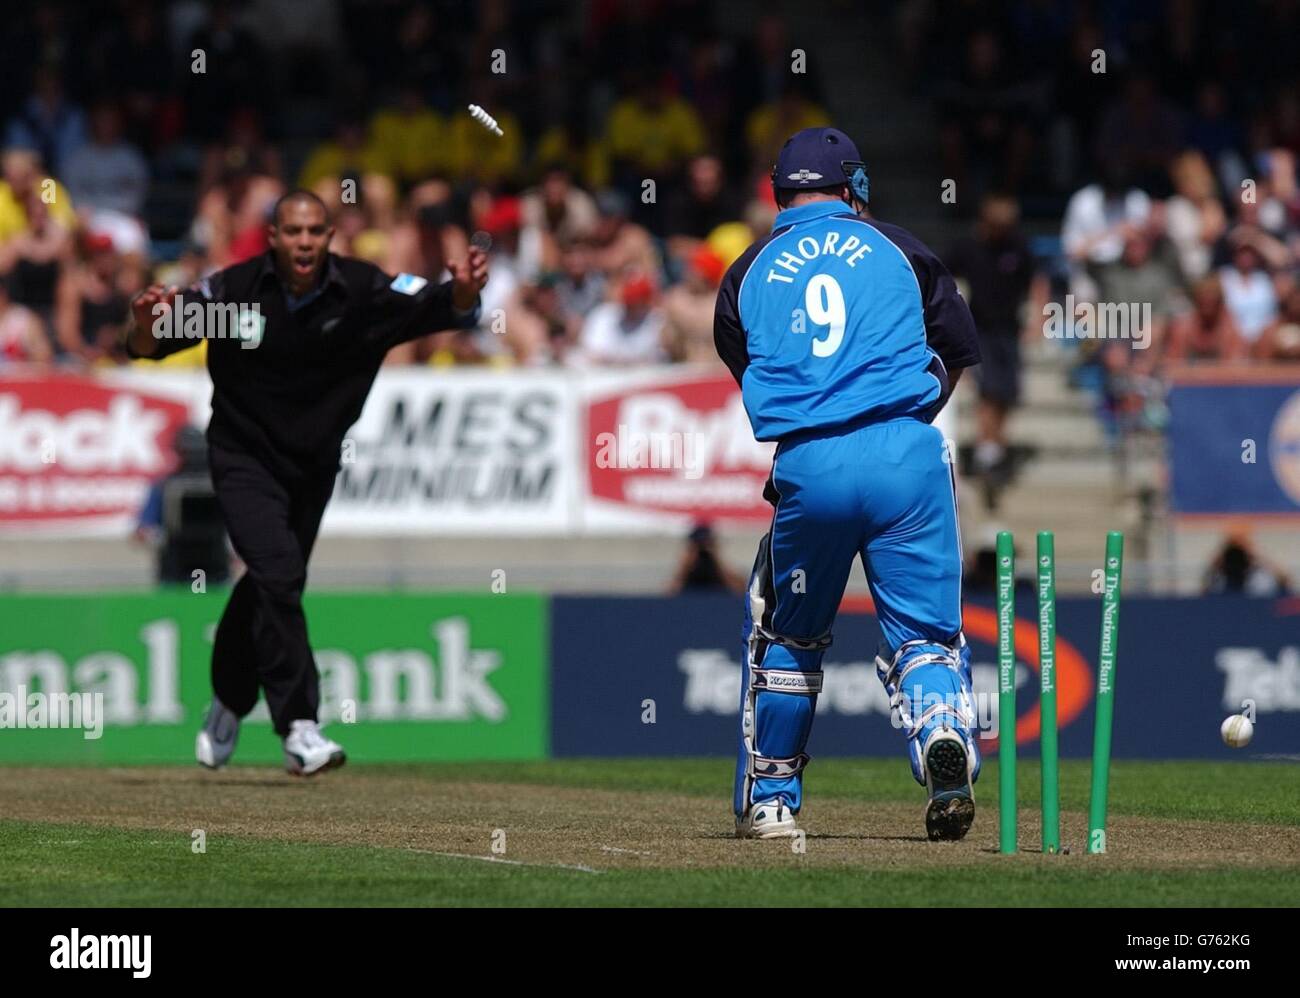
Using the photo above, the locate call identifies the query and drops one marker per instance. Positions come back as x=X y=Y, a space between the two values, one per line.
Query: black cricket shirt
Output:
x=287 y=383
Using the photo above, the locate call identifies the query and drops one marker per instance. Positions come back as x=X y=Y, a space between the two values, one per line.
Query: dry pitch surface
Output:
x=625 y=832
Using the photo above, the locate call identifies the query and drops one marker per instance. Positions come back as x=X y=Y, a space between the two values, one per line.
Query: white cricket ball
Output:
x=1236 y=731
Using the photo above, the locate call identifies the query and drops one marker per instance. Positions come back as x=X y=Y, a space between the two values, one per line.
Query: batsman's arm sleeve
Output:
x=949 y=325
x=179 y=332
x=728 y=334
x=407 y=307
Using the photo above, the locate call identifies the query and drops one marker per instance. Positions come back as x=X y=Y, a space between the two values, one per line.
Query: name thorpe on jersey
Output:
x=823 y=296
x=826 y=247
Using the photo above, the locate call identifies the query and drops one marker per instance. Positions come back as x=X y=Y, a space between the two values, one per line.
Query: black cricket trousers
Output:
x=262 y=638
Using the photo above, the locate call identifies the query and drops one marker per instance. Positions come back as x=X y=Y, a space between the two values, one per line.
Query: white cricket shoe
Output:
x=771 y=819
x=307 y=751
x=215 y=742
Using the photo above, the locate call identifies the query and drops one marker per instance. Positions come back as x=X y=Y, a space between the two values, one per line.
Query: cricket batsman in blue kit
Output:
x=847 y=337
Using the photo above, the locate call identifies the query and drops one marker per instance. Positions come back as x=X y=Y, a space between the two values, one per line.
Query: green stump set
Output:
x=1045 y=591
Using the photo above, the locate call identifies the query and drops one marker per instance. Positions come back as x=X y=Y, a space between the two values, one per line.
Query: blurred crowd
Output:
x=148 y=140
x=1033 y=95
x=1162 y=139
x=144 y=140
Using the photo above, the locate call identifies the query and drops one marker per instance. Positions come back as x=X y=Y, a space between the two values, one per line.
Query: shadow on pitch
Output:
x=823 y=837
x=270 y=779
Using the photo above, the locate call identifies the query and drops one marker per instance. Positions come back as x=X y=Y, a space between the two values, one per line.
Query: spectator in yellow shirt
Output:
x=770 y=124
x=21 y=169
x=651 y=133
x=476 y=154
x=347 y=154
x=564 y=145
x=410 y=137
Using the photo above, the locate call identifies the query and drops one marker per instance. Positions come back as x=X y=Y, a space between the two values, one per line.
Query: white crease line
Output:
x=508 y=862
x=630 y=852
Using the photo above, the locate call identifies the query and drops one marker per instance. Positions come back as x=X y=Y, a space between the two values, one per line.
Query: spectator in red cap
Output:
x=688 y=310
x=504 y=326
x=626 y=331
x=503 y=217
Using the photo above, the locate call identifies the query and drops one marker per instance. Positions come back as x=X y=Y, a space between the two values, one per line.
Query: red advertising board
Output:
x=79 y=451
x=674 y=446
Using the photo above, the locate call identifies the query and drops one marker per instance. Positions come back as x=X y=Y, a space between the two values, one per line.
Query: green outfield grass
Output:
x=1199 y=834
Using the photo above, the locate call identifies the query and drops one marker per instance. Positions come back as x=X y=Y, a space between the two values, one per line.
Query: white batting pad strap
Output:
x=889 y=674
x=765 y=768
x=799 y=644
x=934 y=659
x=933 y=711
x=786 y=681
x=899 y=704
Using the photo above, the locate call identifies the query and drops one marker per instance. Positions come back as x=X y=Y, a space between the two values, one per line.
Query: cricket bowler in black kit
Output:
x=310 y=331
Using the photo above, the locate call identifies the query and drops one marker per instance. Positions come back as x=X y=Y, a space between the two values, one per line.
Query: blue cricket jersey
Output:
x=832 y=318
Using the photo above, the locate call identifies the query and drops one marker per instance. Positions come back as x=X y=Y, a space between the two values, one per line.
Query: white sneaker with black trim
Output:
x=771 y=819
x=307 y=751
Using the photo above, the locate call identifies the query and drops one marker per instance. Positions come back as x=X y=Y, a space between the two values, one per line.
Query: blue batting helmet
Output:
x=820 y=157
